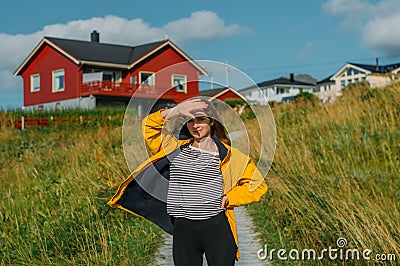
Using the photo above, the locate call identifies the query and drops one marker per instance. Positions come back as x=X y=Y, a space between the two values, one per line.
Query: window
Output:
x=342 y=84
x=147 y=78
x=280 y=90
x=95 y=74
x=133 y=80
x=35 y=83
x=58 y=80
x=265 y=92
x=179 y=82
x=113 y=76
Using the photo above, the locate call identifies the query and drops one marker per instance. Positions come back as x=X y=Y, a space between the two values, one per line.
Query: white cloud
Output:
x=201 y=25
x=14 y=49
x=383 y=34
x=377 y=21
x=351 y=8
x=9 y=82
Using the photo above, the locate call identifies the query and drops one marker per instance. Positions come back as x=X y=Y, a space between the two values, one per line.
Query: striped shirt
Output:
x=195 y=185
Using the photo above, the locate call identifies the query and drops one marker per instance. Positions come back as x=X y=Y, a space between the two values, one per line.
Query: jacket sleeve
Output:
x=249 y=188
x=152 y=126
x=157 y=136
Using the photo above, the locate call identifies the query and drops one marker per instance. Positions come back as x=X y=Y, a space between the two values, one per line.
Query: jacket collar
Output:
x=222 y=150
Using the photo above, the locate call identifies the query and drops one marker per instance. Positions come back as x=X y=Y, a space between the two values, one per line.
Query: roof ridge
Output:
x=103 y=43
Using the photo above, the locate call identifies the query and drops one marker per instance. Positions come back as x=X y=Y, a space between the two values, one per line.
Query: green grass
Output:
x=336 y=174
x=56 y=182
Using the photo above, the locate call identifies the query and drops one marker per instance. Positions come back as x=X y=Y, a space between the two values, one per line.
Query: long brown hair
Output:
x=217 y=128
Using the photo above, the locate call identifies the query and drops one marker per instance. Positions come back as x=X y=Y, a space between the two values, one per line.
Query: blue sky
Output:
x=264 y=39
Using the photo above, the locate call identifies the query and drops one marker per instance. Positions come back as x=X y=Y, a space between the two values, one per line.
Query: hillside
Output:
x=55 y=184
x=335 y=174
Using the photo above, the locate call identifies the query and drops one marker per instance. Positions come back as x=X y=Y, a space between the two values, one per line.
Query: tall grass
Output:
x=336 y=173
x=55 y=183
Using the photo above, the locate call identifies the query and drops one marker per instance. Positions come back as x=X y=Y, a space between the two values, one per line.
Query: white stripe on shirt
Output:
x=195 y=185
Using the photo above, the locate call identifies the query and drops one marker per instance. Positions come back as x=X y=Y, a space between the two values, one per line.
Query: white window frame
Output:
x=152 y=80
x=173 y=85
x=33 y=89
x=53 y=80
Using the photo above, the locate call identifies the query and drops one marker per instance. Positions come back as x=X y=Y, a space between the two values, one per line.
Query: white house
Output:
x=326 y=89
x=375 y=75
x=278 y=90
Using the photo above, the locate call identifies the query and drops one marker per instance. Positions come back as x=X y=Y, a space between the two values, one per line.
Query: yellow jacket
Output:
x=243 y=183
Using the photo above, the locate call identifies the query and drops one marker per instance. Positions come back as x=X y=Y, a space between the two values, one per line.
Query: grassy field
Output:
x=336 y=174
x=55 y=182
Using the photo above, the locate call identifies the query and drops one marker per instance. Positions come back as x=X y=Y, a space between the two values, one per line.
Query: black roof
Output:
x=326 y=80
x=102 y=52
x=280 y=81
x=377 y=69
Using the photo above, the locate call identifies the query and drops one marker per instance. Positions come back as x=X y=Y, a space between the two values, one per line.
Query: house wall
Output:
x=82 y=103
x=166 y=61
x=228 y=94
x=378 y=81
x=270 y=93
x=254 y=96
x=326 y=92
x=46 y=61
x=349 y=75
x=325 y=87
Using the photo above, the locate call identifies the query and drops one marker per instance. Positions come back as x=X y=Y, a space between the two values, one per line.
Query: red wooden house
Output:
x=62 y=73
x=222 y=94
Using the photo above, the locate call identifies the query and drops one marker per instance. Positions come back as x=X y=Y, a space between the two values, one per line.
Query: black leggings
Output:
x=212 y=236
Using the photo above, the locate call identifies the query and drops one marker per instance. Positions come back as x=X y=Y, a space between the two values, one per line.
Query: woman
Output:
x=207 y=179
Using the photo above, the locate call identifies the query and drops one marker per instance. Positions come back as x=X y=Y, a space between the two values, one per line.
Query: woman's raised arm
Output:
x=153 y=124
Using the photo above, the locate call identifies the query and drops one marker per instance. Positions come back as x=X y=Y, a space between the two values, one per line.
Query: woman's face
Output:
x=200 y=127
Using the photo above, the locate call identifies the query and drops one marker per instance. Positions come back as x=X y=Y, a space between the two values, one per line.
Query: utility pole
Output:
x=227 y=74
x=211 y=81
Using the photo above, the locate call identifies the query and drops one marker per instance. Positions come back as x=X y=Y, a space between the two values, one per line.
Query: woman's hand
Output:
x=225 y=202
x=184 y=108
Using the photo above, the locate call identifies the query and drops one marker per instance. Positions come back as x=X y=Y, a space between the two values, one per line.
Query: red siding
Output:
x=46 y=61
x=228 y=94
x=164 y=59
